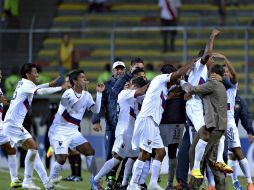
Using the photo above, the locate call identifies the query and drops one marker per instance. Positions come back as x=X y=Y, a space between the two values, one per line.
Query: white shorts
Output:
x=146 y=135
x=232 y=135
x=17 y=135
x=171 y=133
x=196 y=115
x=61 y=141
x=3 y=138
x=122 y=146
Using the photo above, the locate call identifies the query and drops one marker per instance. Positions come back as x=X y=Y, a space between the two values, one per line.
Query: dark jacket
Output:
x=108 y=107
x=174 y=112
x=242 y=113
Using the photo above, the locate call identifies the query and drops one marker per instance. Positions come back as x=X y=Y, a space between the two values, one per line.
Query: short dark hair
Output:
x=139 y=82
x=26 y=69
x=137 y=70
x=74 y=76
x=136 y=60
x=167 y=69
x=218 y=69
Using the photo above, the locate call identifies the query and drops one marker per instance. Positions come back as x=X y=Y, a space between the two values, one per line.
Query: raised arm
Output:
x=182 y=71
x=230 y=67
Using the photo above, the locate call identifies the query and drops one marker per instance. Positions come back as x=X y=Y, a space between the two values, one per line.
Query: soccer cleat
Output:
x=143 y=187
x=123 y=187
x=250 y=186
x=16 y=184
x=221 y=166
x=210 y=187
x=133 y=187
x=30 y=185
x=95 y=185
x=50 y=152
x=56 y=180
x=197 y=174
x=73 y=178
x=154 y=186
x=49 y=185
x=111 y=182
x=237 y=186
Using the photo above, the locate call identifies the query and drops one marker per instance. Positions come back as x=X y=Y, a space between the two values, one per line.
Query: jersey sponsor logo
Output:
x=70 y=119
x=149 y=142
x=60 y=143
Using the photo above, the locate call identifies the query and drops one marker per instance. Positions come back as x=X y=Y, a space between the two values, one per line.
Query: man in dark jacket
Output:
x=107 y=108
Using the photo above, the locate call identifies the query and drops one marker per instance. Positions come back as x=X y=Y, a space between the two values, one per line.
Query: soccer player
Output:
x=125 y=125
x=6 y=146
x=22 y=99
x=64 y=133
x=234 y=145
x=194 y=111
x=146 y=132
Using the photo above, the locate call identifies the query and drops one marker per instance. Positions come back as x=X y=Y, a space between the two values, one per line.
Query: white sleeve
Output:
x=49 y=90
x=163 y=78
x=45 y=85
x=127 y=94
x=95 y=108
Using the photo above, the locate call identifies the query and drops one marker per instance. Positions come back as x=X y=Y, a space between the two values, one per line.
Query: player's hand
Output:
x=215 y=76
x=187 y=96
x=54 y=82
x=4 y=100
x=215 y=32
x=66 y=85
x=100 y=87
x=97 y=127
x=250 y=138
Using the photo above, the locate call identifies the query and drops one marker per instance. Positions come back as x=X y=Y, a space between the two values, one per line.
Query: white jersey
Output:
x=197 y=76
x=21 y=102
x=231 y=94
x=127 y=114
x=71 y=110
x=1 y=110
x=155 y=99
x=173 y=4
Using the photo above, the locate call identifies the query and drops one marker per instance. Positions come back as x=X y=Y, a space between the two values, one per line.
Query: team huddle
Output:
x=143 y=120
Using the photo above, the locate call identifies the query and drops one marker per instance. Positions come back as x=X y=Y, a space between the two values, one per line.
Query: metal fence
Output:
x=30 y=36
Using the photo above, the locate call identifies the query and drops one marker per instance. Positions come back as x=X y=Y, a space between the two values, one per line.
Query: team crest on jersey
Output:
x=149 y=142
x=60 y=143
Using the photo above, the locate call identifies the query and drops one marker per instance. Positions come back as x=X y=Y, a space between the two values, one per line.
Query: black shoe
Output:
x=143 y=186
x=77 y=179
x=124 y=187
x=69 y=178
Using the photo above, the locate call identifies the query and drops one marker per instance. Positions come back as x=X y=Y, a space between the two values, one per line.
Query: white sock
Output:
x=29 y=165
x=127 y=171
x=137 y=171
x=244 y=164
x=144 y=173
x=233 y=165
x=13 y=167
x=55 y=170
x=172 y=164
x=199 y=152
x=210 y=176
x=40 y=169
x=106 y=168
x=155 y=170
x=91 y=165
x=221 y=149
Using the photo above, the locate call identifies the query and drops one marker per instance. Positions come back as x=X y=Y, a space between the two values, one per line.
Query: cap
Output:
x=118 y=63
